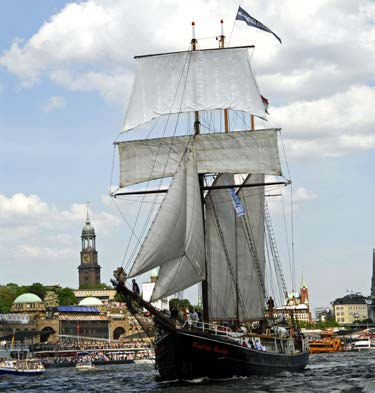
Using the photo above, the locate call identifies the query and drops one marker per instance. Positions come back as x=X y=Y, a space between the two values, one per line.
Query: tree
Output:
x=37 y=289
x=180 y=303
x=7 y=296
x=66 y=297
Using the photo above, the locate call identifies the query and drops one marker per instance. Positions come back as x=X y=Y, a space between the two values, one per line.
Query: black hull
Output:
x=189 y=355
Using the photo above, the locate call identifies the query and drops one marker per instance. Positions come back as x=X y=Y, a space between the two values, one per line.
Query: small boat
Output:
x=325 y=344
x=29 y=367
x=85 y=365
x=363 y=344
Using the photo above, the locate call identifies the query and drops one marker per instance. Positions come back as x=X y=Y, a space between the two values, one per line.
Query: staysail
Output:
x=193 y=81
x=175 y=239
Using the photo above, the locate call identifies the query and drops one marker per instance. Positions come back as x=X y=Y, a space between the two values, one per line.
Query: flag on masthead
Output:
x=250 y=21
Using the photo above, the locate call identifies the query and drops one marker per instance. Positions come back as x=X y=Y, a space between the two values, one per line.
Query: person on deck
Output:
x=194 y=317
x=135 y=287
x=271 y=305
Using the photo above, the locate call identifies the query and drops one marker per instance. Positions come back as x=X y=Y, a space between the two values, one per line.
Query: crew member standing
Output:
x=135 y=287
x=271 y=305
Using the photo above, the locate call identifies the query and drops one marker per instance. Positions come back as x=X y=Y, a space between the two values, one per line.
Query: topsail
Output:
x=193 y=81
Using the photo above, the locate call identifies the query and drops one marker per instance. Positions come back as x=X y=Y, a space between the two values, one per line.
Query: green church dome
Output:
x=90 y=301
x=28 y=298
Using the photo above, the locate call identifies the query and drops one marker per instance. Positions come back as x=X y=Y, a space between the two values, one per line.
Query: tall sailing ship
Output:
x=210 y=228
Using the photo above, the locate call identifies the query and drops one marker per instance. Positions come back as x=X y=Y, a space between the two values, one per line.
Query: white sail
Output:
x=193 y=81
x=221 y=252
x=251 y=265
x=235 y=152
x=188 y=269
x=165 y=239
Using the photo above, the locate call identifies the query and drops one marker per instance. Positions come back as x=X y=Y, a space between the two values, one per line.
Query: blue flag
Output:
x=237 y=204
x=250 y=21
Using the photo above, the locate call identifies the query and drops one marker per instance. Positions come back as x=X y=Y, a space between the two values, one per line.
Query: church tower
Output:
x=88 y=270
x=304 y=293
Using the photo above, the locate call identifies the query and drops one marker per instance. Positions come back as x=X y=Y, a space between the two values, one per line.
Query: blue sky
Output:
x=66 y=70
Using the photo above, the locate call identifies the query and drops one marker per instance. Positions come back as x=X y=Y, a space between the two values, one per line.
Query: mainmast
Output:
x=194 y=48
x=201 y=184
x=226 y=128
x=222 y=45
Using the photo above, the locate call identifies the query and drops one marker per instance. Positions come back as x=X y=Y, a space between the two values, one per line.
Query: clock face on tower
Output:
x=86 y=258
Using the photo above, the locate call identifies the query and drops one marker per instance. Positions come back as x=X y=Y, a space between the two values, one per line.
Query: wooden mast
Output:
x=222 y=45
x=226 y=125
x=197 y=132
x=194 y=48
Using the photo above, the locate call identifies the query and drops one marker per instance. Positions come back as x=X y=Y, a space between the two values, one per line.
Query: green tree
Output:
x=37 y=289
x=66 y=297
x=180 y=303
x=7 y=296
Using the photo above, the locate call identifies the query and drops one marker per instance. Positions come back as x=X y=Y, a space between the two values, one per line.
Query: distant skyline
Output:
x=66 y=71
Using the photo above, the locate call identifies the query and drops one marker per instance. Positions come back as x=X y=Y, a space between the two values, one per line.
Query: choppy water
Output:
x=346 y=372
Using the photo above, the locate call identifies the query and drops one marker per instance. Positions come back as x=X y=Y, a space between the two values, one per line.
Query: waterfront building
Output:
x=350 y=308
x=105 y=295
x=90 y=319
x=28 y=303
x=296 y=305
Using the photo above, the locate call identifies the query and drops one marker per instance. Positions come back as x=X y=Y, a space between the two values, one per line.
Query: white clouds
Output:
x=30 y=227
x=303 y=194
x=330 y=126
x=54 y=103
x=20 y=205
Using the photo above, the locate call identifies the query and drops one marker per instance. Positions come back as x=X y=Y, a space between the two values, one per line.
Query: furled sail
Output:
x=193 y=81
x=239 y=152
x=175 y=240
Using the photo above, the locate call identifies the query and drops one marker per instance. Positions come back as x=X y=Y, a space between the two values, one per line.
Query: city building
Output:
x=296 y=305
x=90 y=319
x=322 y=314
x=89 y=269
x=350 y=308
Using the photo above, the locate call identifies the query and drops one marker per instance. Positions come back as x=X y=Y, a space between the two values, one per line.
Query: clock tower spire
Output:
x=88 y=270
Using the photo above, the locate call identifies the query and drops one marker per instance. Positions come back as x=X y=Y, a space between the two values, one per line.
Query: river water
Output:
x=345 y=372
